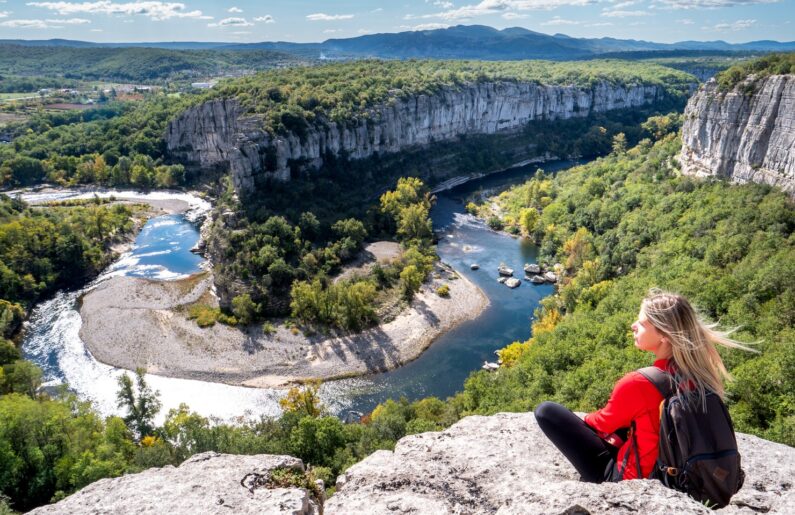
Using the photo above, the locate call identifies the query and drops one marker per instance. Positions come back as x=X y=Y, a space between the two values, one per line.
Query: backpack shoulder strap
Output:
x=661 y=380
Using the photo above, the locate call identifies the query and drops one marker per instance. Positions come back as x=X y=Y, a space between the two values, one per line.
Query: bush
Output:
x=443 y=291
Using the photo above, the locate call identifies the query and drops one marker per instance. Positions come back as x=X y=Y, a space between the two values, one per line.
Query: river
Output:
x=161 y=251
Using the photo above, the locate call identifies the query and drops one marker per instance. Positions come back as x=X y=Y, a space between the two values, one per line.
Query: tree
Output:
x=411 y=279
x=309 y=224
x=409 y=190
x=528 y=218
x=244 y=308
x=303 y=401
x=619 y=143
x=141 y=403
x=22 y=377
x=414 y=223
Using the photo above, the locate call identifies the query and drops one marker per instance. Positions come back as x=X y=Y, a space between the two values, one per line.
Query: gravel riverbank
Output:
x=129 y=322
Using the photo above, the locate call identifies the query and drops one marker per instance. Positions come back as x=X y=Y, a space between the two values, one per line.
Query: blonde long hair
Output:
x=693 y=342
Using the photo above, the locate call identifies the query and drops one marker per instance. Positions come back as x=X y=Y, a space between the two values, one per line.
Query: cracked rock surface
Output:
x=504 y=464
x=208 y=483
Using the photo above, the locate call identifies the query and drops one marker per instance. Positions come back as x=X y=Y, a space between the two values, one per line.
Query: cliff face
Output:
x=218 y=132
x=743 y=136
x=500 y=464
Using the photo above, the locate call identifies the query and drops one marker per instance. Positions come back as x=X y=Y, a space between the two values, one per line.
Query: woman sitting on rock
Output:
x=684 y=346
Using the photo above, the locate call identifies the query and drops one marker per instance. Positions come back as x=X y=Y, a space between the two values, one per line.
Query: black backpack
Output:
x=697 y=450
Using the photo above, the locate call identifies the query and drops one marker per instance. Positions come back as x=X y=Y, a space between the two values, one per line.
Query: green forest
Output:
x=140 y=65
x=45 y=249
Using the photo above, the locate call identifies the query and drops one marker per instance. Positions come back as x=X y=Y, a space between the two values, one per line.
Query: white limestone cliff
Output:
x=219 y=134
x=744 y=135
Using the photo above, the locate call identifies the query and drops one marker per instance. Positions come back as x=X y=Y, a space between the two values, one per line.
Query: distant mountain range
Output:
x=459 y=42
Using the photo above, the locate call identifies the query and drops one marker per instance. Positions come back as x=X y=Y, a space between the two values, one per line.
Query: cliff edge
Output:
x=501 y=464
x=220 y=133
x=504 y=464
x=746 y=134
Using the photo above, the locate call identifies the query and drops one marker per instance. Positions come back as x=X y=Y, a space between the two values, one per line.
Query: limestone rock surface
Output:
x=219 y=134
x=208 y=483
x=745 y=135
x=503 y=464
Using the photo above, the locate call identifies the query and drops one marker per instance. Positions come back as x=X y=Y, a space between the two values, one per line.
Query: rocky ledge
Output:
x=745 y=135
x=208 y=483
x=501 y=464
x=504 y=464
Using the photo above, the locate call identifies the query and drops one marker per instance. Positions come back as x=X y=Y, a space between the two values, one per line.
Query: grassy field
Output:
x=10 y=97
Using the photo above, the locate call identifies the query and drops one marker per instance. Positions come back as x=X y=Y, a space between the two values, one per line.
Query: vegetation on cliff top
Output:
x=773 y=64
x=291 y=99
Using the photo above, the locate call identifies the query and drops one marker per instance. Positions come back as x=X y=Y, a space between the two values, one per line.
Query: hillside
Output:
x=134 y=64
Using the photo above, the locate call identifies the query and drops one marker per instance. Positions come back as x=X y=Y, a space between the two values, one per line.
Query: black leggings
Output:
x=591 y=456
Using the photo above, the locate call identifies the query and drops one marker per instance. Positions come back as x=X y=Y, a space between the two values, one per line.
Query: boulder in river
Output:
x=504 y=270
x=551 y=277
x=474 y=266
x=512 y=282
x=537 y=279
x=532 y=268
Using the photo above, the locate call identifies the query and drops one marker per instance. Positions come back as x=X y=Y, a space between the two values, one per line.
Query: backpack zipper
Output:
x=708 y=455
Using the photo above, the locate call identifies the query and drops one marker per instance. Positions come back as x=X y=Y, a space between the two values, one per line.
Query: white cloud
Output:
x=686 y=21
x=625 y=14
x=69 y=21
x=236 y=10
x=377 y=10
x=25 y=24
x=151 y=9
x=734 y=26
x=332 y=31
x=711 y=4
x=231 y=22
x=265 y=19
x=486 y=7
x=328 y=17
x=557 y=20
x=4 y=14
x=510 y=15
x=364 y=31
x=444 y=4
x=425 y=26
x=622 y=5
x=241 y=32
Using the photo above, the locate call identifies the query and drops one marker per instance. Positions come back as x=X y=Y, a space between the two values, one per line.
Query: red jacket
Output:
x=634 y=398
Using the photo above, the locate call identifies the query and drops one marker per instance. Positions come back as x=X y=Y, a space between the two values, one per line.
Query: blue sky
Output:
x=315 y=20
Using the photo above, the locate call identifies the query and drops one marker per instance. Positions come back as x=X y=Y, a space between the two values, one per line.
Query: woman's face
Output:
x=648 y=338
